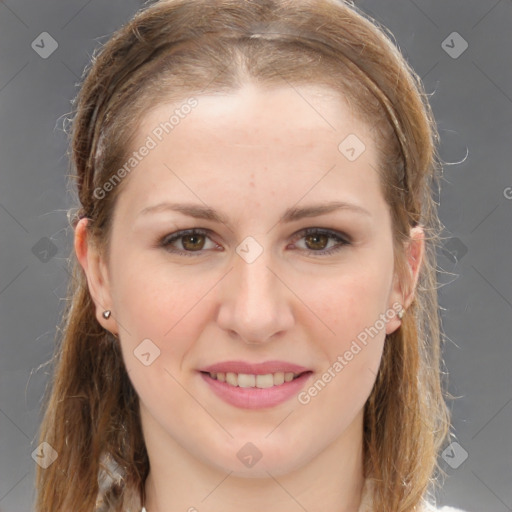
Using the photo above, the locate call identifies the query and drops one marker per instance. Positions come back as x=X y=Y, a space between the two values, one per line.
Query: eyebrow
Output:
x=290 y=215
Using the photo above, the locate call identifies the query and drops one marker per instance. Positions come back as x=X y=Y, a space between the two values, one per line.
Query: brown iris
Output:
x=191 y=243
x=318 y=241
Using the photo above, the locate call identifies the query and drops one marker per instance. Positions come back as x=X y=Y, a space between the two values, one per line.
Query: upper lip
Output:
x=254 y=368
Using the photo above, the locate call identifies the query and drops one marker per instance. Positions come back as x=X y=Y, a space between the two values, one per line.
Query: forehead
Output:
x=282 y=137
x=251 y=108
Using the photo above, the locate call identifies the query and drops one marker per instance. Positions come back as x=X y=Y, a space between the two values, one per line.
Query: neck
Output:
x=332 y=482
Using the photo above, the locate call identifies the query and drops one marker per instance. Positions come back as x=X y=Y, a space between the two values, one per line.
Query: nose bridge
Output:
x=256 y=288
x=254 y=305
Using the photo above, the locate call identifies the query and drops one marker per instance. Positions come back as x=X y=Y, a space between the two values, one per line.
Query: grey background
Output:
x=472 y=102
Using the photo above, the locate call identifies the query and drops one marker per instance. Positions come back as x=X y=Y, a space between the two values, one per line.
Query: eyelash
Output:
x=342 y=240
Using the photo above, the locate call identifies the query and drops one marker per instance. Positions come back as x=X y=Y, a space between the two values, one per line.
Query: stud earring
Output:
x=106 y=314
x=401 y=313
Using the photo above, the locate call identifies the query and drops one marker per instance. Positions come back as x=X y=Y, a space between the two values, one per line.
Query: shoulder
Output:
x=426 y=505
x=431 y=508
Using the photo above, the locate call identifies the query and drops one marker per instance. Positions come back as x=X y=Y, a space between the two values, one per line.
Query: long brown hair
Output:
x=174 y=49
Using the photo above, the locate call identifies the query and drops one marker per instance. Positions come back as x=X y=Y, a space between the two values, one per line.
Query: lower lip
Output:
x=256 y=398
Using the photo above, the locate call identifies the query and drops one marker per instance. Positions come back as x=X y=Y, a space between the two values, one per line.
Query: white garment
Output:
x=429 y=509
x=366 y=502
x=367 y=507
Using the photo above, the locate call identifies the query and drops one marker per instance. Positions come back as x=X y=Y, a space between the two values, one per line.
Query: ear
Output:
x=96 y=272
x=403 y=291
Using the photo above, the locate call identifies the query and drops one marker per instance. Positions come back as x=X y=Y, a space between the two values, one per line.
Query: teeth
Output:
x=263 y=381
x=279 y=378
x=245 y=380
x=232 y=378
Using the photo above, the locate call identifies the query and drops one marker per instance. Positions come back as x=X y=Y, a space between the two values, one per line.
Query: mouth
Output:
x=248 y=380
x=255 y=386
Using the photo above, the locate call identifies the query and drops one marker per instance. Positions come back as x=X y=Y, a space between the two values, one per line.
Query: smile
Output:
x=245 y=380
x=250 y=385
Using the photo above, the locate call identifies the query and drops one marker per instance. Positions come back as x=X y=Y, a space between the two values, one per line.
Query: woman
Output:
x=253 y=319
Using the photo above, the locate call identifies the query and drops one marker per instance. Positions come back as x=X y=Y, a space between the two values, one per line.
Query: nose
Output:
x=256 y=305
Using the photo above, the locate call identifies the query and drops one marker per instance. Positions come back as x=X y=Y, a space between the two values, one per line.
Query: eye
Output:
x=317 y=241
x=191 y=241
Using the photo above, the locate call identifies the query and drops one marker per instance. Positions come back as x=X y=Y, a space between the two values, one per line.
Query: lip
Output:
x=254 y=368
x=255 y=398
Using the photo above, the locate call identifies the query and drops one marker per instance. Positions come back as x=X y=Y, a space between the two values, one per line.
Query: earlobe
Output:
x=96 y=273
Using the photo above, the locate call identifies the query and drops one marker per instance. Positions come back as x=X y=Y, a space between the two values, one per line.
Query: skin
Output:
x=251 y=155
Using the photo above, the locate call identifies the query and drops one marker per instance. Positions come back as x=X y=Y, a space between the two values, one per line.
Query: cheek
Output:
x=353 y=307
x=161 y=319
x=351 y=333
x=351 y=300
x=162 y=306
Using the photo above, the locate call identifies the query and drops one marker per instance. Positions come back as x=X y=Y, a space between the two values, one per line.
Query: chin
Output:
x=257 y=457
x=264 y=468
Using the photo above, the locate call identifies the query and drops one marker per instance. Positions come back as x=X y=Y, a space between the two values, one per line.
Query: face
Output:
x=276 y=265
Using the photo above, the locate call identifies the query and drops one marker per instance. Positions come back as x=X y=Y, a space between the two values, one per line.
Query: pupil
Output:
x=319 y=241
